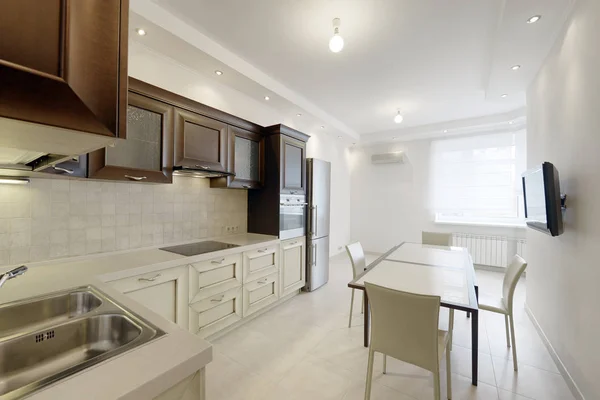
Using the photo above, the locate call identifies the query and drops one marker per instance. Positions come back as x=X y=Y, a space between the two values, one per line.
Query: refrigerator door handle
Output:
x=314 y=255
x=313 y=224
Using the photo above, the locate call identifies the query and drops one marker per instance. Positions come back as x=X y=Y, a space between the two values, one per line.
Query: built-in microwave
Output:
x=292 y=216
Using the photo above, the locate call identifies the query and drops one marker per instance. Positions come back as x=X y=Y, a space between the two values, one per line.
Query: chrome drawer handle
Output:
x=293 y=243
x=263 y=251
x=246 y=186
x=219 y=299
x=135 y=178
x=263 y=281
x=218 y=262
x=155 y=277
x=201 y=166
x=61 y=169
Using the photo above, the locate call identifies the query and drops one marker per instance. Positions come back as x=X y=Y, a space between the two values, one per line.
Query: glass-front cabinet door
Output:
x=245 y=159
x=147 y=153
x=293 y=165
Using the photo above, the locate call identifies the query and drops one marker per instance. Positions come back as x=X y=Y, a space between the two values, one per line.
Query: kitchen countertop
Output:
x=148 y=370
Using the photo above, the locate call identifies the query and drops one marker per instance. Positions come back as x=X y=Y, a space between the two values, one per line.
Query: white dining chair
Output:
x=405 y=327
x=436 y=238
x=504 y=304
x=359 y=264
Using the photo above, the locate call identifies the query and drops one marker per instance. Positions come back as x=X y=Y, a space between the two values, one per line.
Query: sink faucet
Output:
x=13 y=273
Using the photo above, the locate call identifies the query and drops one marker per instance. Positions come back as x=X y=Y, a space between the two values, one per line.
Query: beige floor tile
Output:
x=378 y=392
x=506 y=395
x=530 y=381
x=462 y=362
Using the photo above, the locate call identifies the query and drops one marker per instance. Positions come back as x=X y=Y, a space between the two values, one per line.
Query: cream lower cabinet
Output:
x=164 y=292
x=191 y=388
x=215 y=294
x=260 y=293
x=293 y=265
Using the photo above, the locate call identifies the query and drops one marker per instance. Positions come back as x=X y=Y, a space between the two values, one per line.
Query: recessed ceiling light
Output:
x=398 y=118
x=510 y=122
x=445 y=130
x=298 y=115
x=515 y=67
x=504 y=95
x=267 y=98
x=322 y=126
x=339 y=137
x=219 y=72
x=534 y=19
x=394 y=138
x=141 y=32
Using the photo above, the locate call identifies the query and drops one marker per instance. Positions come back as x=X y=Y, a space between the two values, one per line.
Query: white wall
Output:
x=390 y=202
x=563 y=276
x=162 y=71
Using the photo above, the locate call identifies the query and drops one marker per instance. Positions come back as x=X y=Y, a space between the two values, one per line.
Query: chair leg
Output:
x=448 y=373
x=351 y=305
x=436 y=384
x=384 y=364
x=451 y=328
x=369 y=375
x=514 y=343
x=507 y=334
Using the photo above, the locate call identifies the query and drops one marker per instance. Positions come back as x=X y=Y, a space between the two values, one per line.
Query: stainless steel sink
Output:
x=54 y=308
x=94 y=329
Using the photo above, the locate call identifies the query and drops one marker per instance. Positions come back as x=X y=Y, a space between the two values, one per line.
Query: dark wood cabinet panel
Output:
x=64 y=63
x=245 y=158
x=147 y=154
x=293 y=165
x=200 y=141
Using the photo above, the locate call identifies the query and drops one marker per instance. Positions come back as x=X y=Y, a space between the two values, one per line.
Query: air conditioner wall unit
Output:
x=388 y=158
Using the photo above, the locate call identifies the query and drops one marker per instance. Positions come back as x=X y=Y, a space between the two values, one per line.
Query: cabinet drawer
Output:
x=164 y=292
x=261 y=262
x=260 y=293
x=214 y=276
x=216 y=312
x=292 y=272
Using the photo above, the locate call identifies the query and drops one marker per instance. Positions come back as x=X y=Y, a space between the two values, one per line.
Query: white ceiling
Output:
x=438 y=61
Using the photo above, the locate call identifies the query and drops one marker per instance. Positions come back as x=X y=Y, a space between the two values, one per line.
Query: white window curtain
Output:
x=478 y=178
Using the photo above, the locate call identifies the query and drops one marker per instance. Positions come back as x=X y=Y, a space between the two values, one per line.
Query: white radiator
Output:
x=489 y=250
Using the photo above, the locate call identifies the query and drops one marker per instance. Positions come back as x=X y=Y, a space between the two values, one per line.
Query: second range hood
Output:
x=200 y=171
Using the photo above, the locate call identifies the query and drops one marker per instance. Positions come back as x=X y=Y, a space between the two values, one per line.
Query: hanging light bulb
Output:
x=336 y=43
x=398 y=118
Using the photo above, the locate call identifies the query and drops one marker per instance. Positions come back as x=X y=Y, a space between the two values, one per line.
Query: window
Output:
x=477 y=179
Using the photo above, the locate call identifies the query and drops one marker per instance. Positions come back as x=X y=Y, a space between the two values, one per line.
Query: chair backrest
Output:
x=511 y=278
x=405 y=325
x=436 y=238
x=357 y=257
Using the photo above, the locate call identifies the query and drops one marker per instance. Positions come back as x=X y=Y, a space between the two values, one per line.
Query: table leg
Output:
x=475 y=341
x=367 y=319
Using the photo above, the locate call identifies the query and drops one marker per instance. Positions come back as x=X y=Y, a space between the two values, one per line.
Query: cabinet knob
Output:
x=155 y=277
x=135 y=178
x=61 y=169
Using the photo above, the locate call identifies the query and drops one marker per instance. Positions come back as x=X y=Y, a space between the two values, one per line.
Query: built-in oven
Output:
x=292 y=216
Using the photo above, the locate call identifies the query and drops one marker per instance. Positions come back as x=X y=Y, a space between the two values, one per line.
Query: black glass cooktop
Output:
x=193 y=249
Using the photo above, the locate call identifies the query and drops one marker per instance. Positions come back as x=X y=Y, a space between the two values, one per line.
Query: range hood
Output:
x=200 y=171
x=24 y=161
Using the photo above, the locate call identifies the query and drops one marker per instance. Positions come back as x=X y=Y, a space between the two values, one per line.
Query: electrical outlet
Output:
x=340 y=247
x=236 y=228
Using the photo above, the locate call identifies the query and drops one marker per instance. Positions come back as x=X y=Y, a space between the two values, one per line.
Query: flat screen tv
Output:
x=541 y=191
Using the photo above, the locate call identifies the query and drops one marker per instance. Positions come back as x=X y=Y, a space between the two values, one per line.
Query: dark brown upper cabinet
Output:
x=293 y=165
x=147 y=154
x=200 y=141
x=245 y=158
x=63 y=63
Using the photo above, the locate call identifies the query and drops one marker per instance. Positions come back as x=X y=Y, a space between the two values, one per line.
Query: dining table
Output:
x=443 y=271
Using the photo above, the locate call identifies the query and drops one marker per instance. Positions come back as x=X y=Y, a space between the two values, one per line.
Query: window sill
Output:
x=486 y=224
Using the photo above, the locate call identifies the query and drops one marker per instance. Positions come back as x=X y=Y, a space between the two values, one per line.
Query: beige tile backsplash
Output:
x=55 y=218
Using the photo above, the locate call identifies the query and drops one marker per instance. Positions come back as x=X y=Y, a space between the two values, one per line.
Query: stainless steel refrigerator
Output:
x=318 y=184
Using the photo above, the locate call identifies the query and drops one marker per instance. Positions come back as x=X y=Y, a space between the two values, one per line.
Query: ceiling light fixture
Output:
x=510 y=122
x=336 y=43
x=445 y=130
x=534 y=19
x=141 y=32
x=515 y=67
x=218 y=72
x=398 y=118
x=339 y=137
x=504 y=95
x=394 y=138
x=267 y=98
